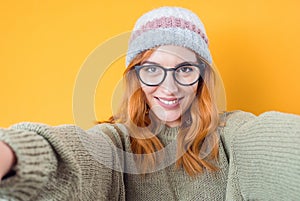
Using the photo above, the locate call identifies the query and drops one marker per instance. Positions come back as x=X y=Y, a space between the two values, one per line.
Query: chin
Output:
x=169 y=118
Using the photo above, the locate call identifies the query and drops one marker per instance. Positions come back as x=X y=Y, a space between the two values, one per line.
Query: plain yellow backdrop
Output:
x=255 y=45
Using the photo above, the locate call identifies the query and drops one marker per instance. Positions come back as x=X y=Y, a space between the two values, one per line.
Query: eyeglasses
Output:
x=185 y=73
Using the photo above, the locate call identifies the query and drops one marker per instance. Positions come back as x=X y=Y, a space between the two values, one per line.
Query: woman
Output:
x=164 y=142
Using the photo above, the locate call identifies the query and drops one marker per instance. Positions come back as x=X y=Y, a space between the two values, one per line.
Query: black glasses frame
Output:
x=201 y=66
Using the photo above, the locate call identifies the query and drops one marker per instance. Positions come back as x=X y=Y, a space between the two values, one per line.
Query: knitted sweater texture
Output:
x=259 y=159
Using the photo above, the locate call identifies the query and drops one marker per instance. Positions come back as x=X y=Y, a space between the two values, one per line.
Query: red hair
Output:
x=192 y=138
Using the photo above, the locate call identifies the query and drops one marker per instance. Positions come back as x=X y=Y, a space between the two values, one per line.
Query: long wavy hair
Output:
x=197 y=140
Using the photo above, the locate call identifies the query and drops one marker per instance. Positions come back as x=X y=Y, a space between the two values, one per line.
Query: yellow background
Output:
x=255 y=45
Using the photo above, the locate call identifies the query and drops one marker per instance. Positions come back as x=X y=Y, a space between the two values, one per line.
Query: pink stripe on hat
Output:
x=168 y=22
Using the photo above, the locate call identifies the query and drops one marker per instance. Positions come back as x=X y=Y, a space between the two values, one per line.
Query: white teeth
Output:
x=168 y=102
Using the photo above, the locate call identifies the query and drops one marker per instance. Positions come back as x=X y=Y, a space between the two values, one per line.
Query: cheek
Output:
x=195 y=88
x=190 y=90
x=148 y=91
x=190 y=95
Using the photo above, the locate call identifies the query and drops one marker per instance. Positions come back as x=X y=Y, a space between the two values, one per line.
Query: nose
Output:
x=169 y=84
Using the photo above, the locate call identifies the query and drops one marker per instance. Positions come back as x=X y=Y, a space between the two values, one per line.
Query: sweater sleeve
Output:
x=62 y=163
x=264 y=156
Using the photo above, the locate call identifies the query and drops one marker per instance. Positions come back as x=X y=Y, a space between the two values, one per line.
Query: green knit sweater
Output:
x=259 y=159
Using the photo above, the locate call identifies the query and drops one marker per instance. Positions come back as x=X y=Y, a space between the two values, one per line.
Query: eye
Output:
x=150 y=69
x=185 y=69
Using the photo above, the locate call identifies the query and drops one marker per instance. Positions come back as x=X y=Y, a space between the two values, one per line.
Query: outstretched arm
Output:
x=59 y=163
x=264 y=155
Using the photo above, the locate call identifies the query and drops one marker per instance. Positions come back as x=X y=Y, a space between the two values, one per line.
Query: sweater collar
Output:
x=167 y=134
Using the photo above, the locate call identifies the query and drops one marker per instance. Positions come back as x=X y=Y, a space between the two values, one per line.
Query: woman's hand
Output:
x=7 y=159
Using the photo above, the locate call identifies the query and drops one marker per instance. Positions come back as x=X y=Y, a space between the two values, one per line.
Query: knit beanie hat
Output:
x=168 y=26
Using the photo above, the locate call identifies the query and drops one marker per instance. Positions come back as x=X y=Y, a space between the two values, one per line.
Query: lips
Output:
x=169 y=103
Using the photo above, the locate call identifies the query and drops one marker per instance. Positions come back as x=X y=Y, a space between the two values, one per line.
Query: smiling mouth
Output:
x=169 y=102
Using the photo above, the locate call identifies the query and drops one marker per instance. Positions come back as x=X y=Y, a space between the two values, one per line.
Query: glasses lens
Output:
x=188 y=74
x=151 y=74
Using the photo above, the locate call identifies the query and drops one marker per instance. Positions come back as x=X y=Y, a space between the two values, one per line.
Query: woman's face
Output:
x=169 y=100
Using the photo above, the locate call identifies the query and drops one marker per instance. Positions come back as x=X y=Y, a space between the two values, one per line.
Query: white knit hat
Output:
x=168 y=26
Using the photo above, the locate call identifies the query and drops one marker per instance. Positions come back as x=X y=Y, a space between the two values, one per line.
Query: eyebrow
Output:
x=149 y=62
x=154 y=63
